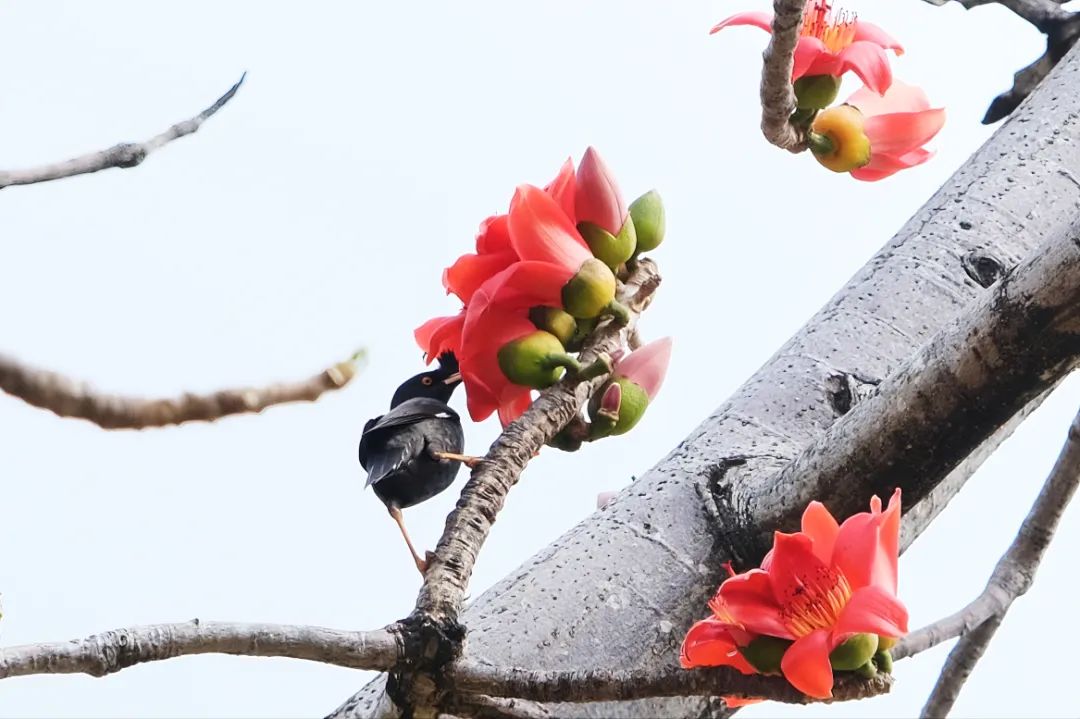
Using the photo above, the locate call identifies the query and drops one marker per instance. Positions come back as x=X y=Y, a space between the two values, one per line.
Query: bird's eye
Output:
x=426 y=381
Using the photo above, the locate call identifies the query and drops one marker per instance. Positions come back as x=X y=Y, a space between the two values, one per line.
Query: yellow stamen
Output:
x=816 y=602
x=836 y=30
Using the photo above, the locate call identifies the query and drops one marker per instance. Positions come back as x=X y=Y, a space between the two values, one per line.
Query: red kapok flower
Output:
x=897 y=124
x=831 y=43
x=816 y=589
x=494 y=251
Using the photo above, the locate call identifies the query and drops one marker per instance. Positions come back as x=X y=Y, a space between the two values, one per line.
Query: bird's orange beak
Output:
x=452 y=379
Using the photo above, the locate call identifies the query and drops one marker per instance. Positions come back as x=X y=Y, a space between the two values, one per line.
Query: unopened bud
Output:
x=555 y=321
x=612 y=250
x=590 y=291
x=633 y=402
x=837 y=139
x=854 y=653
x=536 y=360
x=816 y=92
x=765 y=653
x=883 y=661
x=647 y=212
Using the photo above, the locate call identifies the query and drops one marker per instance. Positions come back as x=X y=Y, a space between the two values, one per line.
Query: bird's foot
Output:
x=468 y=460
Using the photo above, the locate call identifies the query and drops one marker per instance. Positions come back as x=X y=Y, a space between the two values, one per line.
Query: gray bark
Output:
x=585 y=601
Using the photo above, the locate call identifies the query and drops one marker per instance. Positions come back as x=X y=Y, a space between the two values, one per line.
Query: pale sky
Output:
x=314 y=215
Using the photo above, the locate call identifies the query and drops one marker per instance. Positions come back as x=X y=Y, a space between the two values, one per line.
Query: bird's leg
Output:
x=468 y=460
x=421 y=564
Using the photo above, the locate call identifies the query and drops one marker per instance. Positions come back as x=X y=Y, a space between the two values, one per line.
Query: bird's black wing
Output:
x=384 y=447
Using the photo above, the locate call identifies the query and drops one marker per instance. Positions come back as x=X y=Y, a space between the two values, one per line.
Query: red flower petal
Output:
x=819 y=524
x=762 y=20
x=812 y=58
x=900 y=97
x=900 y=132
x=540 y=230
x=466 y=275
x=867 y=547
x=439 y=335
x=708 y=644
x=748 y=600
x=869 y=61
x=872 y=33
x=884 y=165
x=875 y=611
x=794 y=566
x=806 y=665
x=494 y=235
x=647 y=365
x=563 y=188
x=513 y=407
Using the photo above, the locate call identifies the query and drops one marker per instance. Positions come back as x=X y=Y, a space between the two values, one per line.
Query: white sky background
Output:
x=314 y=215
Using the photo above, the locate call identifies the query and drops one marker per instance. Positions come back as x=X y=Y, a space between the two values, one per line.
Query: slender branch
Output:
x=607 y=685
x=1061 y=27
x=67 y=398
x=976 y=623
x=126 y=154
x=107 y=653
x=777 y=93
x=481 y=499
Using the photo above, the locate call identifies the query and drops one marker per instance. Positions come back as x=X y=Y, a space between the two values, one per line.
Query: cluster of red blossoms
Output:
x=882 y=128
x=542 y=275
x=824 y=599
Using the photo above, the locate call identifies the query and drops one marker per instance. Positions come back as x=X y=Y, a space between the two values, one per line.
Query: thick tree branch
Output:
x=126 y=154
x=938 y=407
x=612 y=685
x=468 y=524
x=777 y=93
x=620 y=589
x=107 y=653
x=976 y=623
x=68 y=398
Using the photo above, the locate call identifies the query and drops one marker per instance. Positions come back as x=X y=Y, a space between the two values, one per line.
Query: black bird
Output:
x=413 y=452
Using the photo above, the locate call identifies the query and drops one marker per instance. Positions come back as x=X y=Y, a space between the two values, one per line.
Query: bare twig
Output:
x=777 y=93
x=606 y=685
x=481 y=499
x=106 y=653
x=976 y=623
x=126 y=154
x=68 y=398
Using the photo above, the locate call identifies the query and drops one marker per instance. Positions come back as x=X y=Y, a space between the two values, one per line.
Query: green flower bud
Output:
x=883 y=661
x=555 y=321
x=606 y=247
x=764 y=653
x=867 y=671
x=535 y=360
x=584 y=329
x=647 y=212
x=590 y=291
x=816 y=92
x=632 y=405
x=854 y=653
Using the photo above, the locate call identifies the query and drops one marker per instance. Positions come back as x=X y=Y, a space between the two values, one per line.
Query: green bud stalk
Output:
x=536 y=360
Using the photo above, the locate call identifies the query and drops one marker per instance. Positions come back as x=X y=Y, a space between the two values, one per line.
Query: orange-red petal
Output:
x=540 y=230
x=470 y=271
x=748 y=599
x=709 y=644
x=563 y=188
x=819 y=524
x=441 y=334
x=494 y=235
x=867 y=547
x=514 y=406
x=755 y=18
x=875 y=611
x=806 y=664
x=869 y=61
x=794 y=566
